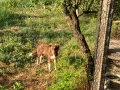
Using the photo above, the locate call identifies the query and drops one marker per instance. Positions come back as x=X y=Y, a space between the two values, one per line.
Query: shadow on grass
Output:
x=57 y=34
x=76 y=61
x=13 y=19
x=9 y=19
x=36 y=36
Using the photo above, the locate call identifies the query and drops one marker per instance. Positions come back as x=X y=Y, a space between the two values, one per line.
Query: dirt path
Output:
x=32 y=78
x=114 y=50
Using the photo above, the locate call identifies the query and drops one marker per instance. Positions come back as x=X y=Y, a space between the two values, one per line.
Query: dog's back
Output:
x=47 y=50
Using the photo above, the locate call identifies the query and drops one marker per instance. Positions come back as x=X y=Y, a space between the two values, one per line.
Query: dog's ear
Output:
x=40 y=42
x=50 y=45
x=57 y=46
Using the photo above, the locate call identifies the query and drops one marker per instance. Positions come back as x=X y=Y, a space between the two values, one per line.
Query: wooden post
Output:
x=104 y=30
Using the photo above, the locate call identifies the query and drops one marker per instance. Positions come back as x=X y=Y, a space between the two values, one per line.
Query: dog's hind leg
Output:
x=49 y=66
x=55 y=63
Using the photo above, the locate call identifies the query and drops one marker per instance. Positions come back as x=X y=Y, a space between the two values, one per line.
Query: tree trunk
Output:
x=73 y=23
x=104 y=30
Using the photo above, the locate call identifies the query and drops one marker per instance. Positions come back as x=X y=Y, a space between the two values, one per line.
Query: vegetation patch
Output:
x=25 y=23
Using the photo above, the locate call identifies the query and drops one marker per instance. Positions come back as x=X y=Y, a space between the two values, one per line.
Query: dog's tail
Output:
x=33 y=53
x=30 y=54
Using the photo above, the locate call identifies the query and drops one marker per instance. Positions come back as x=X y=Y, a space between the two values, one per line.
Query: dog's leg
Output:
x=40 y=59
x=55 y=63
x=49 y=66
x=37 y=62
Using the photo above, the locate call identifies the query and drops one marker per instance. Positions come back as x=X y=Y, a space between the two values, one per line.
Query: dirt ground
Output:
x=114 y=49
x=32 y=78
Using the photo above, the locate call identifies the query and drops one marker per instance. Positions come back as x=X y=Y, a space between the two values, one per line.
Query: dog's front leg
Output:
x=37 y=62
x=40 y=59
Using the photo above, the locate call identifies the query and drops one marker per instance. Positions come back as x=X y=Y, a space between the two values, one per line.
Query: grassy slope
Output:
x=26 y=27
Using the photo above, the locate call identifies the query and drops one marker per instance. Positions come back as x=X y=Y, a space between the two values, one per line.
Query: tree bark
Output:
x=104 y=30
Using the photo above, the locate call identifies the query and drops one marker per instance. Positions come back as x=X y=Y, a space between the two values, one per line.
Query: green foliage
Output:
x=89 y=33
x=117 y=10
x=4 y=16
x=68 y=77
x=64 y=81
x=70 y=66
x=13 y=50
x=18 y=86
x=19 y=3
x=50 y=2
x=3 y=88
x=115 y=33
x=43 y=21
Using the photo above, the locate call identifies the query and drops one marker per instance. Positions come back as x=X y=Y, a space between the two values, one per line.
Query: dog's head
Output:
x=54 y=49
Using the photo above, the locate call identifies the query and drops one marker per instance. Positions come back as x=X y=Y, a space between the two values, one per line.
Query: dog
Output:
x=50 y=51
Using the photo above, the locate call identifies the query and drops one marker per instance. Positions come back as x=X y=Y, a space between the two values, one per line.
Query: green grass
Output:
x=16 y=86
x=39 y=23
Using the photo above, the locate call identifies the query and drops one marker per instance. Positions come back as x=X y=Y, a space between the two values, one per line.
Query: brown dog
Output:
x=50 y=51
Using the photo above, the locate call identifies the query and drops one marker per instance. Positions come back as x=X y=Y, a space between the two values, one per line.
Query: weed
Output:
x=3 y=88
x=18 y=86
x=115 y=31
